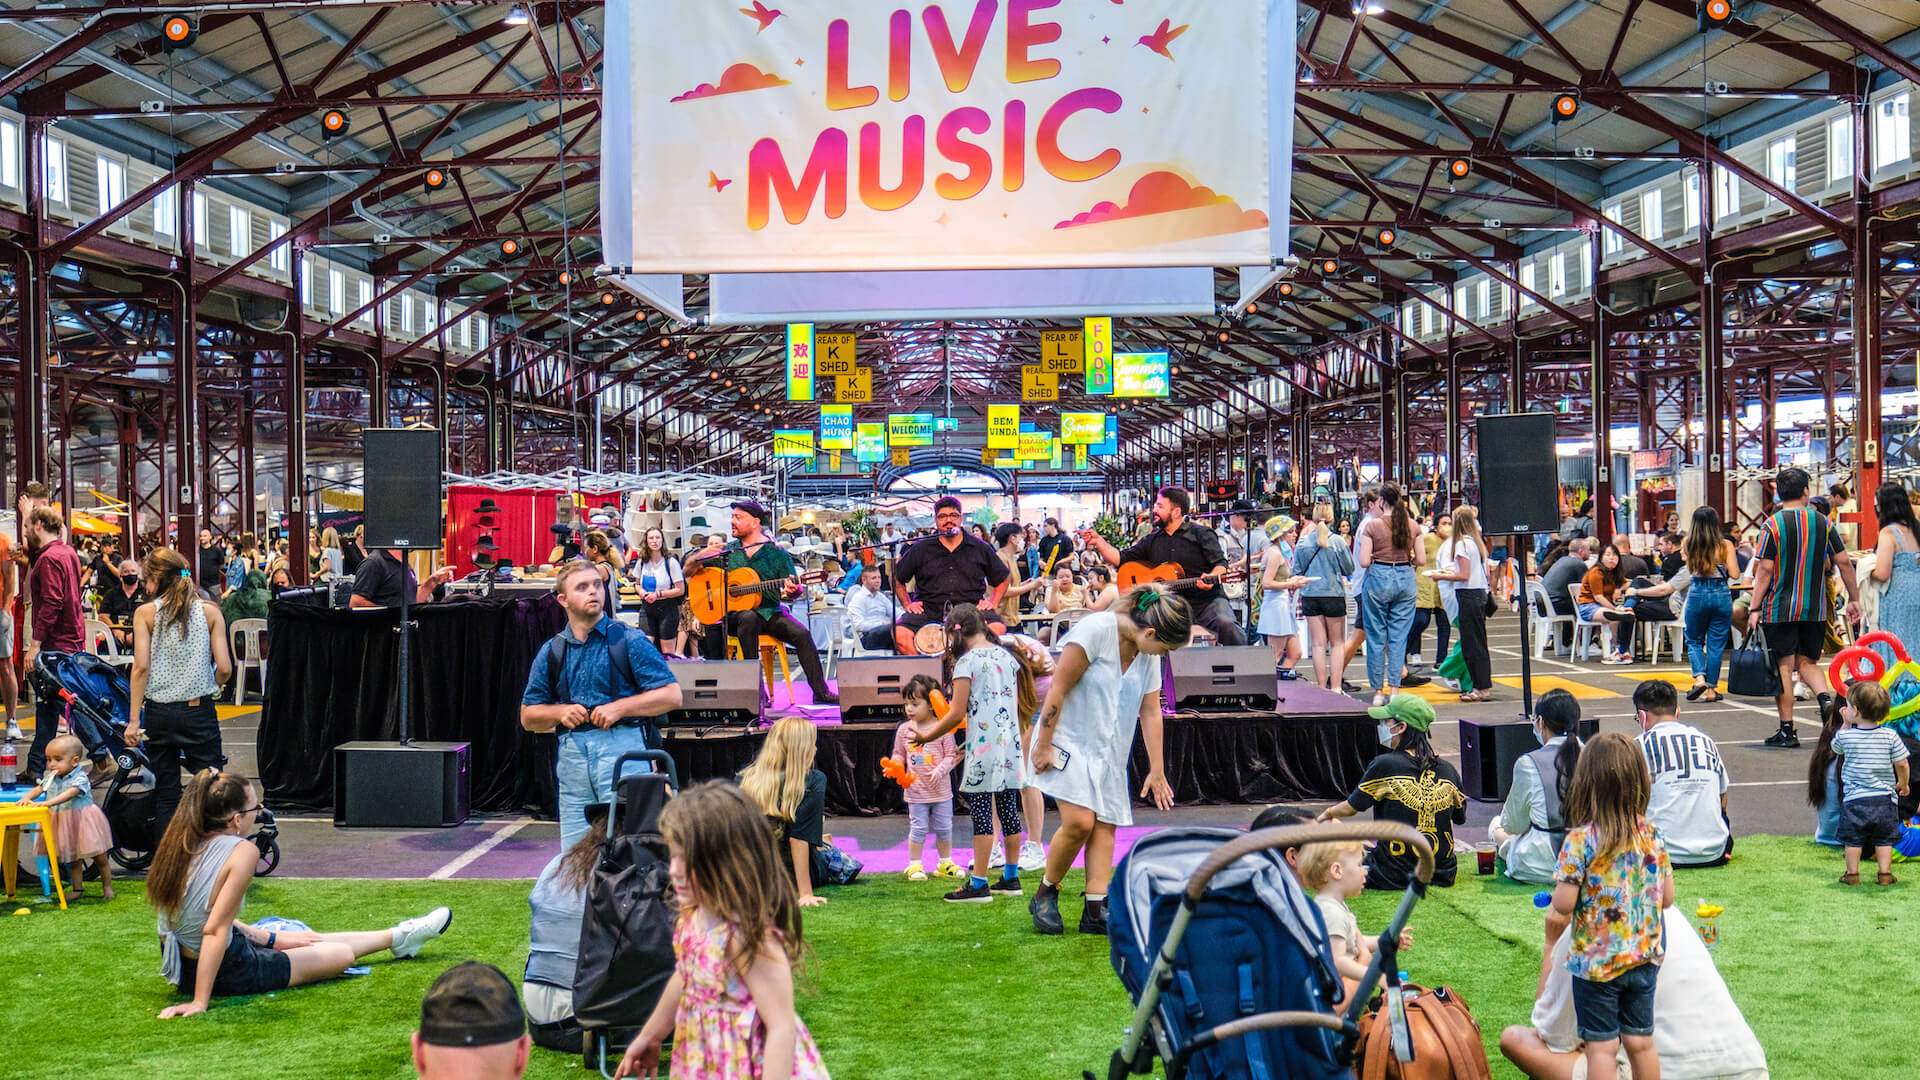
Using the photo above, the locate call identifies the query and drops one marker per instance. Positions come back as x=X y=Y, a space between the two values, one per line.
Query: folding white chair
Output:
x=1544 y=623
x=1586 y=632
x=246 y=644
x=1672 y=631
x=1063 y=621
x=101 y=643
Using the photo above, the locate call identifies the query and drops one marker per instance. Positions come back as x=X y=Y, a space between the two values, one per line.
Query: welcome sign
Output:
x=957 y=134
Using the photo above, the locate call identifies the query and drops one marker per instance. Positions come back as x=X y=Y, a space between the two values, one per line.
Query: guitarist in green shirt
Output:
x=753 y=549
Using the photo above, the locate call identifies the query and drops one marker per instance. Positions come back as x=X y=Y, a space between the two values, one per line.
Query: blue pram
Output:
x=1227 y=959
x=90 y=692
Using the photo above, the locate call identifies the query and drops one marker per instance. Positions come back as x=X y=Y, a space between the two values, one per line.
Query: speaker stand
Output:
x=405 y=704
x=1526 y=616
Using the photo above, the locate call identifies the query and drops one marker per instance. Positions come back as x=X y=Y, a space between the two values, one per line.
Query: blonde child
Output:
x=1873 y=768
x=988 y=683
x=80 y=830
x=930 y=799
x=729 y=1005
x=1614 y=883
x=1336 y=871
x=1106 y=682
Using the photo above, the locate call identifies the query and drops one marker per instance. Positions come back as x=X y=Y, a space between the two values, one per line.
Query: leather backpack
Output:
x=1445 y=1037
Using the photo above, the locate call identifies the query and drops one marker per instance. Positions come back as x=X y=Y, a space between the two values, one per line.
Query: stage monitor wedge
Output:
x=1221 y=678
x=716 y=693
x=870 y=686
x=1519 y=474
x=402 y=477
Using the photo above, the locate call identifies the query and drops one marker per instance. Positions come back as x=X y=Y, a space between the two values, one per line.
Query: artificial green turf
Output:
x=902 y=986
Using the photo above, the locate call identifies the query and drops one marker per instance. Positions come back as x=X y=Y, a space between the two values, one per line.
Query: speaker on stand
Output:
x=404 y=783
x=1519 y=496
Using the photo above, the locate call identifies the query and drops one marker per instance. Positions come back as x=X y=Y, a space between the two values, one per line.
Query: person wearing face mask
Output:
x=116 y=606
x=1407 y=783
x=1530 y=827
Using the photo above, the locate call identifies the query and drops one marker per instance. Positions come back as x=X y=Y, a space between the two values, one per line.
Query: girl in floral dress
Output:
x=729 y=1005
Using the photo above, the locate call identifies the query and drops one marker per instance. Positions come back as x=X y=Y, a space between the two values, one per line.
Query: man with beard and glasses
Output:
x=947 y=568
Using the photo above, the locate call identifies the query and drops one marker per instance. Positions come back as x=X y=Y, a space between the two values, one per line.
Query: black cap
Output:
x=755 y=509
x=471 y=1004
x=560 y=528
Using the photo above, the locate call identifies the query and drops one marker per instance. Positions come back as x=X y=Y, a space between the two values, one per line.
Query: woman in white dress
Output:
x=1107 y=679
x=1278 y=584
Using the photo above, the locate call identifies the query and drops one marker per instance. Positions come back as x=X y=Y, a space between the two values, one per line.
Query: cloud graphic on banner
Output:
x=737 y=79
x=1205 y=213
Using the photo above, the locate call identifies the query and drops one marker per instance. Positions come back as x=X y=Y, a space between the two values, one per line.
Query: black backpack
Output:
x=626 y=929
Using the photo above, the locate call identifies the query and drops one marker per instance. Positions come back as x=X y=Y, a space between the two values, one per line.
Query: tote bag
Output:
x=1751 y=671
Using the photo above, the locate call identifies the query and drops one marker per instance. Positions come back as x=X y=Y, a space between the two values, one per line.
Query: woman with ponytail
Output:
x=198 y=883
x=180 y=661
x=1387 y=555
x=1532 y=825
x=1106 y=681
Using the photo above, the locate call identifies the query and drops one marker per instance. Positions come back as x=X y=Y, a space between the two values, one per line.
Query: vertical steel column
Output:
x=248 y=463
x=30 y=386
x=186 y=386
x=126 y=436
x=1867 y=374
x=1713 y=367
x=1601 y=385
x=1453 y=420
x=377 y=363
x=295 y=392
x=63 y=411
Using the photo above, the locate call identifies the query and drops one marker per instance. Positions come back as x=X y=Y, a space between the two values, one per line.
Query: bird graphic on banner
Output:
x=714 y=181
x=761 y=14
x=1163 y=37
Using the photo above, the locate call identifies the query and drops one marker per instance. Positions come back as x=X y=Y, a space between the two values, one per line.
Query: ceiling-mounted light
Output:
x=509 y=246
x=1564 y=106
x=1253 y=309
x=178 y=32
x=1459 y=167
x=566 y=277
x=1329 y=267
x=334 y=123
x=1715 y=13
x=435 y=179
x=712 y=376
x=1385 y=237
x=606 y=299
x=517 y=16
x=1286 y=288
x=1222 y=335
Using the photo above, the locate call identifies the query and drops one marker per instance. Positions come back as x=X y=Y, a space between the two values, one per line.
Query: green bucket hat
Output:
x=1409 y=709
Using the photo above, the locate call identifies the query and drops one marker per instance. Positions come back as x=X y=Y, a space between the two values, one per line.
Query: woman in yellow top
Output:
x=1064 y=594
x=1427 y=606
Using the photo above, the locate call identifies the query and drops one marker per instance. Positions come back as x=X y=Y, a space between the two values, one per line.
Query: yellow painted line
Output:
x=1542 y=683
x=224 y=712
x=1433 y=693
x=1683 y=680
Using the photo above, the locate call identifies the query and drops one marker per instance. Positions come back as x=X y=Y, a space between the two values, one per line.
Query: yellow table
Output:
x=13 y=818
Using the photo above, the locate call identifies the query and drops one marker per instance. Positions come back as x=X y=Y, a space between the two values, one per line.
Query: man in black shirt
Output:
x=1055 y=548
x=117 y=603
x=383 y=575
x=1671 y=557
x=946 y=568
x=213 y=564
x=1194 y=548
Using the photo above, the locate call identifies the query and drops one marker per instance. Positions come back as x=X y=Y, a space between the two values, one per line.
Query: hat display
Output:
x=482 y=560
x=487 y=506
x=485 y=543
x=1409 y=709
x=471 y=1004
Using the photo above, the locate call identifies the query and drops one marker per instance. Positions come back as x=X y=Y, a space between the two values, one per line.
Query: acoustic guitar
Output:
x=713 y=592
x=1168 y=574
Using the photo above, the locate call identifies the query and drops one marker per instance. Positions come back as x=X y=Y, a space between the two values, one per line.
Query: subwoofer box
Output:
x=1222 y=678
x=870 y=685
x=716 y=692
x=390 y=785
x=1487 y=754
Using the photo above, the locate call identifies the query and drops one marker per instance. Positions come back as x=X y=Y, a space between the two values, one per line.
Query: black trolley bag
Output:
x=626 y=929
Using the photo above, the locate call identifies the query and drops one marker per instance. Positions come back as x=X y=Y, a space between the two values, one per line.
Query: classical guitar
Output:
x=1168 y=574
x=713 y=593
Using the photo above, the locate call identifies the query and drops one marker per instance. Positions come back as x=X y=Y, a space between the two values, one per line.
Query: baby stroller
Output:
x=1227 y=958
x=92 y=697
x=626 y=930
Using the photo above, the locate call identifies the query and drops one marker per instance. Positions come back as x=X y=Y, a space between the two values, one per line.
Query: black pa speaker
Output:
x=870 y=686
x=1221 y=678
x=1519 y=474
x=1487 y=754
x=402 y=474
x=392 y=785
x=716 y=692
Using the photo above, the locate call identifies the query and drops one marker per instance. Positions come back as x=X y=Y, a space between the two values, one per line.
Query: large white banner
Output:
x=967 y=134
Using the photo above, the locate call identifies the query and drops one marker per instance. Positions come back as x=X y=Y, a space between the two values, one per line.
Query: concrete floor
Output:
x=1767 y=796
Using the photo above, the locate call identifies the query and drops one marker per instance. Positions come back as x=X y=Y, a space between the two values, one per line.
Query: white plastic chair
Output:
x=835 y=619
x=245 y=645
x=1586 y=632
x=101 y=643
x=1545 y=623
x=1672 y=631
x=1062 y=621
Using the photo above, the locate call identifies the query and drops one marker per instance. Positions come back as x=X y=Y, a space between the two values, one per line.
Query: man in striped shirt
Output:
x=1799 y=550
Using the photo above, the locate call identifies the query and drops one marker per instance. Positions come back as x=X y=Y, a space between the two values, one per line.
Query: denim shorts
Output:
x=1869 y=822
x=245 y=969
x=1620 y=1006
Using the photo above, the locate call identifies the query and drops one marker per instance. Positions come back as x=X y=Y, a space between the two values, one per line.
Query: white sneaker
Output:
x=409 y=936
x=995 y=858
x=1032 y=856
x=1801 y=693
x=1413 y=660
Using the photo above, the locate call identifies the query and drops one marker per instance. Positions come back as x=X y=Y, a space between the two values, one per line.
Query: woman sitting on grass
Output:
x=198 y=883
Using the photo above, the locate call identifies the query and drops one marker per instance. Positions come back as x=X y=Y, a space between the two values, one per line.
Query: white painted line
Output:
x=469 y=856
x=1769 y=783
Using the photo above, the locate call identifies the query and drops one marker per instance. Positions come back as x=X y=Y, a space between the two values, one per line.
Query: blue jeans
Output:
x=583 y=770
x=1709 y=619
x=1388 y=597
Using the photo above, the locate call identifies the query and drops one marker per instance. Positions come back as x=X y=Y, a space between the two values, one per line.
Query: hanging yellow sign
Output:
x=1003 y=426
x=836 y=427
x=854 y=389
x=833 y=460
x=800 y=361
x=1062 y=351
x=1079 y=458
x=987 y=455
x=1037 y=385
x=793 y=443
x=1099 y=355
x=902 y=457
x=834 y=353
x=1034 y=446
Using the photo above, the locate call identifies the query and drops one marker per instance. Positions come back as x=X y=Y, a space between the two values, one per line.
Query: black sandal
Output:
x=1694 y=694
